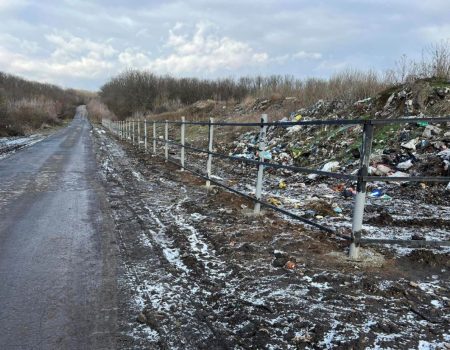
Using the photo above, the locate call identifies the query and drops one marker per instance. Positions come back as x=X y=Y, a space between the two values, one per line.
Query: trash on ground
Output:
x=274 y=201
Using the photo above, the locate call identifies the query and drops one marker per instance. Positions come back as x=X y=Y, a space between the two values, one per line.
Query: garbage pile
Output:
x=399 y=150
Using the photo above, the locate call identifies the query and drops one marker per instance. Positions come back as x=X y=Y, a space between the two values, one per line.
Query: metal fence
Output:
x=137 y=132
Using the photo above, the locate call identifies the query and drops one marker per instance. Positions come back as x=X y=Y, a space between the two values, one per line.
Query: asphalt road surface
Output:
x=57 y=261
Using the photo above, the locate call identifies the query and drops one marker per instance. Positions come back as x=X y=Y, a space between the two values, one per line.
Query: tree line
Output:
x=28 y=105
x=135 y=91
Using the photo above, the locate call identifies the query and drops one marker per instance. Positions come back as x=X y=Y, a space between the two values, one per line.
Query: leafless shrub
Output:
x=144 y=92
x=98 y=111
x=27 y=105
x=434 y=63
x=24 y=115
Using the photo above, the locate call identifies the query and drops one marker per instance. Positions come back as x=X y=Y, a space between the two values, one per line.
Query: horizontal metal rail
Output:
x=406 y=179
x=265 y=204
x=266 y=164
x=405 y=120
x=410 y=243
x=312 y=171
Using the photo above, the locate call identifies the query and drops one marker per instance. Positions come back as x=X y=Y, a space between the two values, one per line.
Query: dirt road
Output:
x=57 y=267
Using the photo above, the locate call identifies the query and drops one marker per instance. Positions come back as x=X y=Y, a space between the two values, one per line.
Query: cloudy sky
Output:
x=80 y=44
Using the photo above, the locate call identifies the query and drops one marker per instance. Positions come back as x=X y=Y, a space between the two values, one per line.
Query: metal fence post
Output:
x=183 y=132
x=261 y=151
x=145 y=134
x=360 y=198
x=154 y=138
x=210 y=149
x=139 y=133
x=166 y=139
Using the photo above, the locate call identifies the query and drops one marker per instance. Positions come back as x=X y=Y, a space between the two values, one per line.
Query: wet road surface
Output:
x=57 y=261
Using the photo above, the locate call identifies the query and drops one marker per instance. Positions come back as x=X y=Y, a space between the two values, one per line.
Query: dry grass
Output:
x=26 y=115
x=98 y=111
x=26 y=105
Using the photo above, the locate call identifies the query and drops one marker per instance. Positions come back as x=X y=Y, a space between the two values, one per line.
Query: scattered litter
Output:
x=405 y=165
x=294 y=128
x=386 y=197
x=337 y=210
x=376 y=193
x=431 y=130
x=444 y=154
x=349 y=192
x=399 y=174
x=290 y=265
x=330 y=166
x=411 y=145
x=274 y=201
x=382 y=170
x=266 y=155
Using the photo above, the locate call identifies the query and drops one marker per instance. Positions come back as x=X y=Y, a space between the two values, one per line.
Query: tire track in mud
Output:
x=181 y=279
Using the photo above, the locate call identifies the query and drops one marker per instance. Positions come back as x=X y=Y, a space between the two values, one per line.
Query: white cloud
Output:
x=76 y=57
x=204 y=51
x=11 y=4
x=307 y=55
x=18 y=44
x=435 y=33
x=93 y=40
x=133 y=58
x=72 y=57
x=69 y=46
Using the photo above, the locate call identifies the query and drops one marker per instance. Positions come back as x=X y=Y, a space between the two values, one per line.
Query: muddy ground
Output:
x=197 y=273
